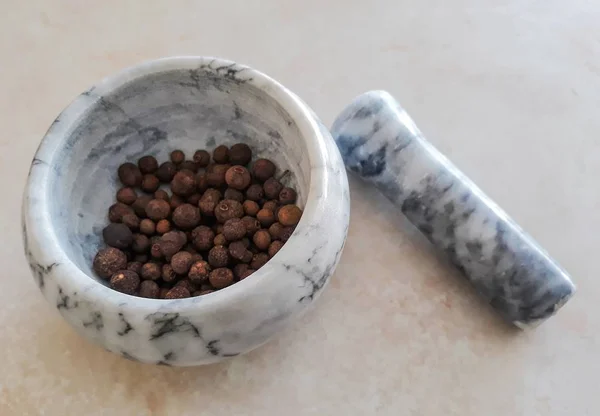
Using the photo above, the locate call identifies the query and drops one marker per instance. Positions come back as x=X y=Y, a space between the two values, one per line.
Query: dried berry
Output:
x=168 y=274
x=126 y=195
x=157 y=209
x=202 y=237
x=220 y=278
x=178 y=292
x=163 y=292
x=199 y=272
x=117 y=235
x=140 y=244
x=209 y=202
x=259 y=260
x=194 y=199
x=187 y=283
x=289 y=215
x=125 y=281
x=272 y=187
x=148 y=164
x=240 y=154
x=251 y=208
x=149 y=289
x=181 y=262
x=234 y=229
x=147 y=226
x=221 y=154
x=142 y=258
x=108 y=261
x=134 y=266
x=252 y=225
x=131 y=220
x=262 y=239
x=238 y=251
x=238 y=177
x=218 y=256
x=201 y=182
x=217 y=228
x=163 y=226
x=263 y=169
x=287 y=196
x=166 y=172
x=202 y=292
x=150 y=183
x=219 y=240
x=186 y=216
x=234 y=194
x=116 y=211
x=286 y=233
x=177 y=156
x=171 y=242
x=202 y=158
x=161 y=194
x=151 y=271
x=139 y=206
x=189 y=165
x=176 y=201
x=255 y=192
x=239 y=269
x=246 y=273
x=265 y=217
x=216 y=176
x=183 y=183
x=274 y=247
x=227 y=209
x=129 y=175
x=155 y=251
x=270 y=205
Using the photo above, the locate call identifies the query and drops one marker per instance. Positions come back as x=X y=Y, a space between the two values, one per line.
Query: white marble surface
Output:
x=509 y=92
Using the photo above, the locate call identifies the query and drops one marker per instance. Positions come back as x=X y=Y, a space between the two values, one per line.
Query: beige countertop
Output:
x=508 y=92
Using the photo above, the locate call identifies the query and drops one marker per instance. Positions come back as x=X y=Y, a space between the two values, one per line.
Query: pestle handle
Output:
x=380 y=142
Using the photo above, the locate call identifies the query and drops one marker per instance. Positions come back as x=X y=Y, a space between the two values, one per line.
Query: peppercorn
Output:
x=150 y=271
x=163 y=292
x=140 y=204
x=286 y=233
x=259 y=260
x=178 y=292
x=234 y=229
x=177 y=156
x=168 y=274
x=163 y=226
x=157 y=209
x=270 y=205
x=287 y=196
x=147 y=226
x=150 y=183
x=149 y=289
x=196 y=257
x=202 y=292
x=221 y=154
x=187 y=283
x=219 y=240
x=194 y=199
x=147 y=164
x=263 y=169
x=234 y=194
x=239 y=269
x=218 y=256
x=216 y=176
x=171 y=242
x=134 y=266
x=116 y=212
x=265 y=217
x=217 y=228
x=209 y=202
x=183 y=183
x=240 y=154
x=176 y=201
x=129 y=175
x=202 y=237
x=181 y=262
x=161 y=194
x=252 y=225
x=246 y=273
x=186 y=216
x=262 y=239
x=221 y=278
x=117 y=235
x=255 y=192
x=272 y=187
x=108 y=261
x=199 y=272
x=189 y=165
x=131 y=220
x=289 y=215
x=142 y=258
x=250 y=207
x=166 y=171
x=140 y=243
x=274 y=248
x=125 y=281
x=239 y=252
x=227 y=209
x=202 y=158
x=126 y=195
x=238 y=177
x=201 y=182
x=155 y=251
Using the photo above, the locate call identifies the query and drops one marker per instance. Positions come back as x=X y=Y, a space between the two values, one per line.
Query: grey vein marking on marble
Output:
x=379 y=142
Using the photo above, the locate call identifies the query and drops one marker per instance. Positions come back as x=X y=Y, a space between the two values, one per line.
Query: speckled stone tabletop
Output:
x=508 y=92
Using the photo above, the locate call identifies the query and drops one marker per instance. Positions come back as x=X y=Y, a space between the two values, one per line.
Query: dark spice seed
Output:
x=252 y=225
x=139 y=206
x=255 y=192
x=168 y=274
x=201 y=182
x=234 y=194
x=163 y=292
x=126 y=195
x=142 y=258
x=117 y=235
x=274 y=248
x=151 y=271
x=177 y=156
x=186 y=216
x=178 y=292
x=262 y=239
x=265 y=217
x=227 y=209
x=202 y=237
x=194 y=199
x=238 y=177
x=289 y=215
x=221 y=154
x=189 y=165
x=263 y=169
x=270 y=205
x=218 y=256
x=246 y=273
x=149 y=289
x=147 y=164
x=216 y=177
x=221 y=277
x=240 y=154
x=272 y=188
x=181 y=262
x=238 y=251
x=116 y=211
x=183 y=183
x=163 y=226
x=134 y=266
x=150 y=183
x=131 y=220
x=239 y=269
x=234 y=229
x=157 y=209
x=286 y=233
x=209 y=202
x=251 y=208
x=108 y=261
x=187 y=283
x=220 y=240
x=202 y=158
x=161 y=194
x=199 y=272
x=125 y=281
x=166 y=172
x=259 y=260
x=129 y=175
x=147 y=226
x=287 y=196
x=140 y=244
x=176 y=201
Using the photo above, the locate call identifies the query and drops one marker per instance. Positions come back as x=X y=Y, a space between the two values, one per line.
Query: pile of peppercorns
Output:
x=221 y=222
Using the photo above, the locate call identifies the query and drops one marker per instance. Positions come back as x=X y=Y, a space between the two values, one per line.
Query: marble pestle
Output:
x=380 y=143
